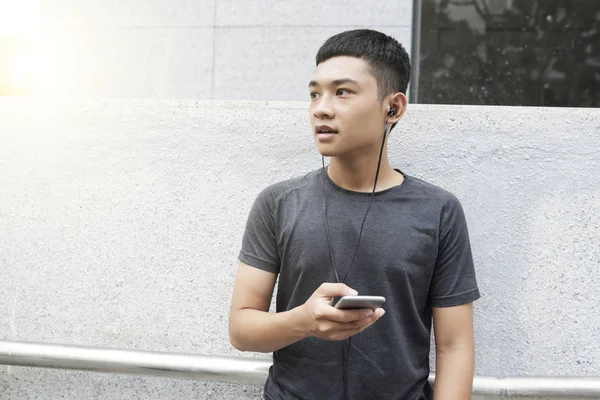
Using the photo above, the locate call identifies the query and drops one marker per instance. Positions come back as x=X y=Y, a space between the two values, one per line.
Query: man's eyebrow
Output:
x=336 y=82
x=344 y=81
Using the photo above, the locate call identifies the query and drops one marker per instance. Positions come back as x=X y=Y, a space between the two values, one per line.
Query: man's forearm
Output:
x=454 y=373
x=259 y=331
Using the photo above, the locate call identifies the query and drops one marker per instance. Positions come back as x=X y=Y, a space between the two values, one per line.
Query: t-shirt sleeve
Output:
x=454 y=281
x=259 y=242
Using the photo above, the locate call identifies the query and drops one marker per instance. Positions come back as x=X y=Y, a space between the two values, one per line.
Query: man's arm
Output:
x=455 y=352
x=253 y=328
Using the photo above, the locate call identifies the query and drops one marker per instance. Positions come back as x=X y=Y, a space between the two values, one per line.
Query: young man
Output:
x=357 y=226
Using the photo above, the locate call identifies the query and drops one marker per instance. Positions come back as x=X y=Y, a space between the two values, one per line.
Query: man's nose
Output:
x=323 y=109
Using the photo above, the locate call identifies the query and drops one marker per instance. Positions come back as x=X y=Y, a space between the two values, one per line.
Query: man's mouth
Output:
x=324 y=129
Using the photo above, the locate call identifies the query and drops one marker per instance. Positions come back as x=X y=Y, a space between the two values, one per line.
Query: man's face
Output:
x=346 y=114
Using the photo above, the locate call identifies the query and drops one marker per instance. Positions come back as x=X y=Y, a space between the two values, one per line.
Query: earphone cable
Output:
x=362 y=225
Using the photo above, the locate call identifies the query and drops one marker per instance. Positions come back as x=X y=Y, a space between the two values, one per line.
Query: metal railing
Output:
x=248 y=370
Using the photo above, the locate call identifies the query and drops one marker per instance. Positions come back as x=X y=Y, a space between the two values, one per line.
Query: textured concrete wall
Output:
x=200 y=49
x=120 y=223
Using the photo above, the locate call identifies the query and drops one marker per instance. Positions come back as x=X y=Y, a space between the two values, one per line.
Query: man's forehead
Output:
x=341 y=68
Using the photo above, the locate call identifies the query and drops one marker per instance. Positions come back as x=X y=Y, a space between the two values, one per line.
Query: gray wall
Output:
x=200 y=49
x=120 y=223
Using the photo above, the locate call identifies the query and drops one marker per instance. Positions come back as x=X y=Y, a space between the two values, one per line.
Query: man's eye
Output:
x=314 y=95
x=342 y=92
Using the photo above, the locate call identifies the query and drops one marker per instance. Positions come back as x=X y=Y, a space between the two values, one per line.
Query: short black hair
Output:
x=387 y=58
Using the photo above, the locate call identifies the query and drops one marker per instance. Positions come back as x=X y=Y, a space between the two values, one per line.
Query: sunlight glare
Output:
x=20 y=18
x=19 y=31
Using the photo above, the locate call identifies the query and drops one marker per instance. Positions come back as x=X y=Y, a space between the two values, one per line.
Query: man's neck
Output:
x=358 y=174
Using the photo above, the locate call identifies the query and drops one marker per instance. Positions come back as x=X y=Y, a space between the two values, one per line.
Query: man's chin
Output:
x=327 y=151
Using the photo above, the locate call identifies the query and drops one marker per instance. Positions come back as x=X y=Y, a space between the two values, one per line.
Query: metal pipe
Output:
x=136 y=362
x=415 y=50
x=249 y=370
x=547 y=387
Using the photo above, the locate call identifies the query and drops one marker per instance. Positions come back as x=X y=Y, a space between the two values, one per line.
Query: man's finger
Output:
x=370 y=318
x=346 y=316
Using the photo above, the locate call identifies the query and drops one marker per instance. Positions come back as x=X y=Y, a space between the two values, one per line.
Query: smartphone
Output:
x=353 y=302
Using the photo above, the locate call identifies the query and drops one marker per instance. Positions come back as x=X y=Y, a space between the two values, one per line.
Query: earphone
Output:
x=391 y=112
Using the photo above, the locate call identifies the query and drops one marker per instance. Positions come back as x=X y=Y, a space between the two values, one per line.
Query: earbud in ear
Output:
x=391 y=112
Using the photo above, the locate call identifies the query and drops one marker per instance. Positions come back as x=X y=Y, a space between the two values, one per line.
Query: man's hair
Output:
x=387 y=59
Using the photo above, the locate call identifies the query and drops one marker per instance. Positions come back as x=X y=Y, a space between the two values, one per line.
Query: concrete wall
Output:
x=199 y=49
x=120 y=223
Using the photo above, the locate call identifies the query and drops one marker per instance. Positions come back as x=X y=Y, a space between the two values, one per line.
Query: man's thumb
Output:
x=337 y=289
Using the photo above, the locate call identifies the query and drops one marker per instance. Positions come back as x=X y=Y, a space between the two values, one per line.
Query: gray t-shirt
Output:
x=414 y=250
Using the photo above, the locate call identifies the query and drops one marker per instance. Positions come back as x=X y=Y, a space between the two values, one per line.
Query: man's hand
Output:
x=327 y=322
x=253 y=328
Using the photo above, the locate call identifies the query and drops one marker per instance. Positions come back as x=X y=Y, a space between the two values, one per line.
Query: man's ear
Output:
x=399 y=102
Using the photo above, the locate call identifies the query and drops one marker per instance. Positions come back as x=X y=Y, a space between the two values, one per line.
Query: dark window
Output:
x=509 y=52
